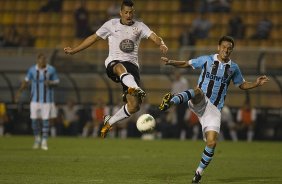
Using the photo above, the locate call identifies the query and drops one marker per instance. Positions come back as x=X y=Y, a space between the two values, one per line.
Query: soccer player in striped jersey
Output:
x=207 y=99
x=124 y=35
x=42 y=78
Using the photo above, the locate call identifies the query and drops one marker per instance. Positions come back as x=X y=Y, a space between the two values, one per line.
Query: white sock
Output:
x=200 y=170
x=128 y=80
x=53 y=132
x=123 y=133
x=233 y=135
x=250 y=135
x=121 y=114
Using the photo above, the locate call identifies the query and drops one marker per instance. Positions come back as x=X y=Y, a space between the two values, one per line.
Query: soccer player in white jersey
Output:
x=42 y=78
x=124 y=35
x=207 y=99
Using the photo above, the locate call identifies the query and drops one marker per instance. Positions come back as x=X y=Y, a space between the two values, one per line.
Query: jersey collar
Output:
x=133 y=22
x=37 y=68
x=215 y=59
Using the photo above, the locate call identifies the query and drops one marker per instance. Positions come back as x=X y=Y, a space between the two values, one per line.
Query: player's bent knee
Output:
x=211 y=143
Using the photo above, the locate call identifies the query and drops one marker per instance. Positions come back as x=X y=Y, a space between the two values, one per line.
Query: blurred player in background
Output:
x=207 y=99
x=43 y=78
x=124 y=36
x=246 y=117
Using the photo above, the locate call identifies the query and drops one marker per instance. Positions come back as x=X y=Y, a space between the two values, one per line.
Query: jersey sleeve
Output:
x=104 y=30
x=54 y=76
x=146 y=31
x=198 y=62
x=237 y=77
x=28 y=76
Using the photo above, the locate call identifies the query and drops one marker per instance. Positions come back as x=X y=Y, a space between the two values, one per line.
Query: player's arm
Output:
x=158 y=41
x=175 y=63
x=249 y=85
x=23 y=86
x=85 y=44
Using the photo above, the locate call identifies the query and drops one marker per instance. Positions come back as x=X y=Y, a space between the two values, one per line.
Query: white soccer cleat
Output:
x=44 y=145
x=36 y=144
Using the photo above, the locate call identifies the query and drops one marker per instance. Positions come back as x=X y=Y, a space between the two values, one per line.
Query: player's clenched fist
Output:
x=68 y=50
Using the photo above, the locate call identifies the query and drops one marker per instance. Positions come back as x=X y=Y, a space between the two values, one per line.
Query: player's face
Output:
x=224 y=50
x=126 y=15
x=41 y=62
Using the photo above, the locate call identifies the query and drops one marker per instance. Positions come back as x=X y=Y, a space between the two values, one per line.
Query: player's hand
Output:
x=68 y=50
x=163 y=48
x=261 y=80
x=165 y=60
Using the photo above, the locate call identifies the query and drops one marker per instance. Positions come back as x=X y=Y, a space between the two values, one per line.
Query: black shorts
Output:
x=131 y=68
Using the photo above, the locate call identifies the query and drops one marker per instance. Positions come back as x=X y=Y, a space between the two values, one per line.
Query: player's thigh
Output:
x=35 y=110
x=46 y=111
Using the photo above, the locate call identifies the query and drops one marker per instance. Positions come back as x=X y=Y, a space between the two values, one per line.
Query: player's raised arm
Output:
x=158 y=41
x=175 y=63
x=259 y=82
x=85 y=44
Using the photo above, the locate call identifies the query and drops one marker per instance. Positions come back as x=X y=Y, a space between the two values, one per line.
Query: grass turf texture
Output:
x=133 y=161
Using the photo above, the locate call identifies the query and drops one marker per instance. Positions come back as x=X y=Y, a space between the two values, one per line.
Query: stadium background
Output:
x=82 y=75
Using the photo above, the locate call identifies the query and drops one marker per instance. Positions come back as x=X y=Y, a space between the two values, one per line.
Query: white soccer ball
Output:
x=146 y=123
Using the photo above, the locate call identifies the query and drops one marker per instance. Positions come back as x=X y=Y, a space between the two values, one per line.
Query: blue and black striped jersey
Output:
x=39 y=91
x=216 y=76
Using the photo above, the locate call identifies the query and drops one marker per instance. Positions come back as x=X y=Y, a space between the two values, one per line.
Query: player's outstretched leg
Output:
x=179 y=98
x=106 y=127
x=166 y=102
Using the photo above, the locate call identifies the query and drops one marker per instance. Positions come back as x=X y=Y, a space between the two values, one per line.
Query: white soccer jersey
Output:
x=123 y=40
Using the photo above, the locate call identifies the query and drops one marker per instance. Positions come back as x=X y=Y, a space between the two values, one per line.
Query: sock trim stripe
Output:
x=207 y=153
x=204 y=162
x=189 y=94
x=125 y=111
x=180 y=98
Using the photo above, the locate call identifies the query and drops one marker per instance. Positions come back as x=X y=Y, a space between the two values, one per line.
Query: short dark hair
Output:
x=126 y=3
x=228 y=39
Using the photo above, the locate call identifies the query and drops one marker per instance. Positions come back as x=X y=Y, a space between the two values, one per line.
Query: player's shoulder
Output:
x=50 y=67
x=234 y=64
x=113 y=21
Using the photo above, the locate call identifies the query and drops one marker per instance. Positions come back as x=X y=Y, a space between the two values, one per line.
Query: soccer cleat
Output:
x=138 y=92
x=166 y=102
x=106 y=127
x=36 y=143
x=197 y=178
x=44 y=145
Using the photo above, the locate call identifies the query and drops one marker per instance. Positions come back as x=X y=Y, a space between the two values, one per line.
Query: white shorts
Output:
x=208 y=114
x=43 y=111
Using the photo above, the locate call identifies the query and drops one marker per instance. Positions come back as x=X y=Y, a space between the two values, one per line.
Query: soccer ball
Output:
x=146 y=123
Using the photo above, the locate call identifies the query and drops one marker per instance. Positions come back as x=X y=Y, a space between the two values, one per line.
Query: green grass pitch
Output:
x=133 y=161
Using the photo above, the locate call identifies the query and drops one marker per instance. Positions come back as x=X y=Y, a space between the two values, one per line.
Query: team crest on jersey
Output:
x=126 y=45
x=135 y=30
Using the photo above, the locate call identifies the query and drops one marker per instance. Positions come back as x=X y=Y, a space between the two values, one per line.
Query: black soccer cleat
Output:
x=197 y=178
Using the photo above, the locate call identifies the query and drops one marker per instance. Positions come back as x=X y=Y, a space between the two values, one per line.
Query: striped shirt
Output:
x=39 y=91
x=216 y=76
